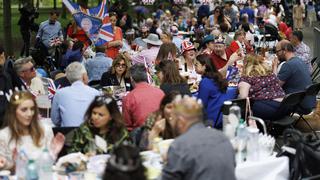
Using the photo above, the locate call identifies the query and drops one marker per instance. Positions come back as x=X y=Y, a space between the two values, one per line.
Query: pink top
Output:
x=149 y=55
x=139 y=103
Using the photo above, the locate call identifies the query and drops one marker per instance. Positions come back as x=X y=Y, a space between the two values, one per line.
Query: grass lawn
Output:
x=16 y=36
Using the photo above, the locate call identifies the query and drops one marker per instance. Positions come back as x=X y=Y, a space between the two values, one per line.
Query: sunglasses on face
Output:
x=121 y=65
x=31 y=69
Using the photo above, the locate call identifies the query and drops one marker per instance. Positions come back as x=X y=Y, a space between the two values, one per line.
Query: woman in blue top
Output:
x=213 y=89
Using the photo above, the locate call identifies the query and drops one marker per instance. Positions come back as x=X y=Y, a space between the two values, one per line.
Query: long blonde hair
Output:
x=255 y=66
x=12 y=122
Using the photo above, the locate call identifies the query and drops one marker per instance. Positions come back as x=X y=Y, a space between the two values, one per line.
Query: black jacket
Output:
x=5 y=86
x=182 y=88
x=109 y=79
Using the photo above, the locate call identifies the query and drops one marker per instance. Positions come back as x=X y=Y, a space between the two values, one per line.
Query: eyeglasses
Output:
x=216 y=11
x=121 y=65
x=31 y=69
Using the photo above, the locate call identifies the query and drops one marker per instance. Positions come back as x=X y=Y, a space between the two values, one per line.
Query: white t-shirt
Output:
x=26 y=144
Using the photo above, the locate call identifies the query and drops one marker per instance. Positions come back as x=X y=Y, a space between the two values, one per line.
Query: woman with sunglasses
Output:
x=218 y=18
x=24 y=132
x=118 y=75
x=102 y=119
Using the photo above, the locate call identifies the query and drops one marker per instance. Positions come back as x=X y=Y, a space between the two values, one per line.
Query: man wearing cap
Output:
x=144 y=32
x=221 y=56
x=175 y=38
x=208 y=44
x=148 y=55
x=198 y=152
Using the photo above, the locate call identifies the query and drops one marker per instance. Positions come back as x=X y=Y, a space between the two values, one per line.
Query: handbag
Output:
x=303 y=153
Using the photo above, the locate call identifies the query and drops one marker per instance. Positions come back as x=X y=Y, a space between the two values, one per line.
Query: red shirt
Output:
x=139 y=103
x=218 y=61
x=234 y=46
x=78 y=34
x=112 y=52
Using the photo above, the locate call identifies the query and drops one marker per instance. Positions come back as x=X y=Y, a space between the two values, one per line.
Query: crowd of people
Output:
x=170 y=79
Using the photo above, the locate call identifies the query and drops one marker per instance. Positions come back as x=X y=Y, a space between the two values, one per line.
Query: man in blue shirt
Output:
x=294 y=74
x=98 y=65
x=70 y=103
x=49 y=31
x=249 y=11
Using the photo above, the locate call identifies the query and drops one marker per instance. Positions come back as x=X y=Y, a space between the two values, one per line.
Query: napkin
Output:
x=101 y=143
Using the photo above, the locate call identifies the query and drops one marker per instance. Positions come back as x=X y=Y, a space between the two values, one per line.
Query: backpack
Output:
x=303 y=153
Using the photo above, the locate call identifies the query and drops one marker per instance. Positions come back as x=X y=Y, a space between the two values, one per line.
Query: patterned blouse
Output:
x=264 y=87
x=84 y=134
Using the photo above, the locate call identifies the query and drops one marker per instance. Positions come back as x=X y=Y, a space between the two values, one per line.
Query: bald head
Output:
x=284 y=50
x=285 y=45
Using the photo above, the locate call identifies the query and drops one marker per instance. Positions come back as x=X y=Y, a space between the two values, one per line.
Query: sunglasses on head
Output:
x=104 y=99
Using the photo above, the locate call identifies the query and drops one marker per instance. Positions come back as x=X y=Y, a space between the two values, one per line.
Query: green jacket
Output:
x=84 y=134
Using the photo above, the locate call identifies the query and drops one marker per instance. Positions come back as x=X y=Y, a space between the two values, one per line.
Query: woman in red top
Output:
x=241 y=43
x=113 y=47
x=77 y=34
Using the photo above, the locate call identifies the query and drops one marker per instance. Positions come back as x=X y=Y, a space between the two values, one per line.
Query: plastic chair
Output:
x=311 y=90
x=316 y=70
x=313 y=60
x=289 y=104
x=271 y=34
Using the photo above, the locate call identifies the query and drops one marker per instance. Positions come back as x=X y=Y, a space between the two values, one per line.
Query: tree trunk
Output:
x=7 y=26
x=37 y=4
x=64 y=12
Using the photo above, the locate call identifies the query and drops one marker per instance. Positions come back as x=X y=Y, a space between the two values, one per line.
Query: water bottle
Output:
x=21 y=164
x=32 y=173
x=241 y=141
x=45 y=164
x=226 y=126
x=235 y=109
x=233 y=120
x=253 y=144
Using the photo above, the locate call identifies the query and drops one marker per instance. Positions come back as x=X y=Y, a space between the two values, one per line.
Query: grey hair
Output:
x=18 y=64
x=75 y=71
x=138 y=73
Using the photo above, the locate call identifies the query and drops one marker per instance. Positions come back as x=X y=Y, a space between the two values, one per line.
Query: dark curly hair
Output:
x=115 y=125
x=211 y=72
x=125 y=164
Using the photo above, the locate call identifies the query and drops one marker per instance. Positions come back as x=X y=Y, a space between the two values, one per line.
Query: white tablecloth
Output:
x=271 y=168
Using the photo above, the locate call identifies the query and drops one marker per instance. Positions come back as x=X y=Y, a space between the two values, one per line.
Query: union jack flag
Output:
x=94 y=21
x=51 y=89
